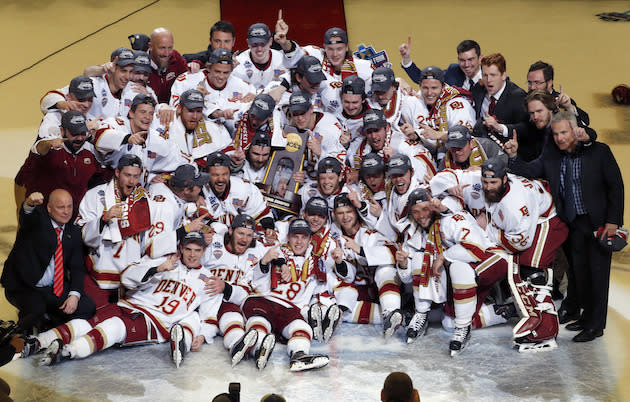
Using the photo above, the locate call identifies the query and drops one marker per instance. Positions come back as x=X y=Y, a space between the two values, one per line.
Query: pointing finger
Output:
x=560 y=88
x=409 y=41
x=280 y=15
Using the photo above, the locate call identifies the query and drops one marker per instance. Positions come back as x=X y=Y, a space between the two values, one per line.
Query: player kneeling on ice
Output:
x=165 y=301
x=286 y=279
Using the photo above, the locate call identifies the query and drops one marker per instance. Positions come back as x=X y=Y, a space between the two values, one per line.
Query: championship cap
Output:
x=261 y=138
x=374 y=118
x=142 y=99
x=82 y=87
x=220 y=56
x=458 y=137
x=258 y=33
x=299 y=102
x=142 y=62
x=335 y=33
x=125 y=58
x=316 y=205
x=262 y=106
x=382 y=79
x=495 y=167
x=372 y=164
x=432 y=72
x=299 y=226
x=116 y=52
x=342 y=200
x=612 y=243
x=129 y=160
x=354 y=85
x=188 y=176
x=194 y=237
x=243 y=221
x=417 y=196
x=311 y=69
x=329 y=165
x=398 y=164
x=192 y=99
x=217 y=159
x=74 y=121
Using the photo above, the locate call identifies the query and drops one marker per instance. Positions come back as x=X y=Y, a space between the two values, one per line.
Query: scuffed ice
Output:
x=488 y=370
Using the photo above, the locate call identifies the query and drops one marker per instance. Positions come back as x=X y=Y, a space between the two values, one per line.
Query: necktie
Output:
x=471 y=84
x=58 y=280
x=493 y=104
x=569 y=198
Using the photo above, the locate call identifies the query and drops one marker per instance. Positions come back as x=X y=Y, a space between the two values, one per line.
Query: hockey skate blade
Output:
x=268 y=343
x=548 y=345
x=249 y=341
x=395 y=321
x=318 y=362
x=177 y=335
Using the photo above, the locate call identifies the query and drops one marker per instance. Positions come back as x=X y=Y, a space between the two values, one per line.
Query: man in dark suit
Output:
x=498 y=104
x=587 y=188
x=464 y=74
x=222 y=35
x=540 y=76
x=44 y=271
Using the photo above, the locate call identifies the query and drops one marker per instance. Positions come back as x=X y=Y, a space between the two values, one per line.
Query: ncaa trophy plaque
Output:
x=279 y=188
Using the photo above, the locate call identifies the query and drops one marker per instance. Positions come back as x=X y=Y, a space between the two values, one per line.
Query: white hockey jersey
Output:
x=279 y=63
x=239 y=198
x=169 y=297
x=130 y=91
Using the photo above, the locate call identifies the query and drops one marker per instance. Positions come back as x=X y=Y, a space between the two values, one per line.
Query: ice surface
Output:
x=488 y=370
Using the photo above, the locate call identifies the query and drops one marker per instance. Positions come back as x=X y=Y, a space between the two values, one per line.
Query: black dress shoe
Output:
x=575 y=326
x=565 y=316
x=588 y=335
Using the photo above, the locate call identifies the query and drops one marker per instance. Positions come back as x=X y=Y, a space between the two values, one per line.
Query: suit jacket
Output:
x=33 y=249
x=602 y=184
x=509 y=109
x=453 y=75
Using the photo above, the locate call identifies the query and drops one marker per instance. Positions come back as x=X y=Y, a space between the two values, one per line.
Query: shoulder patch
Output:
x=457 y=105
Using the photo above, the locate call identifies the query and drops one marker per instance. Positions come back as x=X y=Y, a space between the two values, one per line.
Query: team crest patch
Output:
x=249 y=72
x=475 y=195
x=334 y=104
x=378 y=59
x=170 y=76
x=217 y=254
x=87 y=161
x=477 y=187
x=159 y=198
x=312 y=192
x=104 y=98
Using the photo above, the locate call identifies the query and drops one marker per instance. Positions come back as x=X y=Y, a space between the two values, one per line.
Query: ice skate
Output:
x=417 y=326
x=331 y=321
x=315 y=321
x=262 y=356
x=178 y=345
x=53 y=354
x=391 y=322
x=243 y=346
x=525 y=345
x=301 y=361
x=31 y=346
x=459 y=340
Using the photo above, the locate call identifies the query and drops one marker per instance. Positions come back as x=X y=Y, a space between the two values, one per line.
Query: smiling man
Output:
x=166 y=63
x=464 y=151
x=499 y=105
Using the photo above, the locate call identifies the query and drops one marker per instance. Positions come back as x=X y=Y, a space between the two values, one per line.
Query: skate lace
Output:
x=417 y=321
x=459 y=334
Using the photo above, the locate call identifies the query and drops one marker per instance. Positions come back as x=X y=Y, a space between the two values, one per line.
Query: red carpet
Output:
x=307 y=20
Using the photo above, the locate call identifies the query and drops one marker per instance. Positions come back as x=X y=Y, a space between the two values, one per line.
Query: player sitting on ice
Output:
x=164 y=301
x=324 y=314
x=286 y=279
x=521 y=218
x=375 y=288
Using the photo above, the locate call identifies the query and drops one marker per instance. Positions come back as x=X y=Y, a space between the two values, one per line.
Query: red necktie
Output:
x=58 y=282
x=493 y=104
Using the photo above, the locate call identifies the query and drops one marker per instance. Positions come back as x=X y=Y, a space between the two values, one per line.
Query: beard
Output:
x=494 y=195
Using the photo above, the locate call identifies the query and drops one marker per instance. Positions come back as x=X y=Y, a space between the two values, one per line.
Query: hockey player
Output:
x=521 y=218
x=353 y=107
x=260 y=64
x=464 y=151
x=324 y=131
x=166 y=301
x=116 y=137
x=139 y=84
x=285 y=278
x=231 y=258
x=329 y=182
x=190 y=133
x=227 y=196
x=254 y=167
x=306 y=77
x=223 y=91
x=259 y=116
x=375 y=289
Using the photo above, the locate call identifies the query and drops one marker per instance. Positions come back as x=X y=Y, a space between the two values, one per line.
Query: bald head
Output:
x=161 y=46
x=60 y=206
